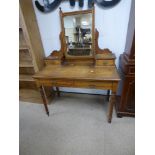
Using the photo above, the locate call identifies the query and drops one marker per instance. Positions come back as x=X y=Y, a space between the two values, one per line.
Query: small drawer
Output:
x=62 y=83
x=93 y=84
x=105 y=62
x=43 y=82
x=52 y=62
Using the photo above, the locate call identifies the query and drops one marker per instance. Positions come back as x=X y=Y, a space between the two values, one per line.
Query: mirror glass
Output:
x=78 y=34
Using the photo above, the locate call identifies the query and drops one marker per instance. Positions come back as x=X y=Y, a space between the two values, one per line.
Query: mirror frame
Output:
x=64 y=14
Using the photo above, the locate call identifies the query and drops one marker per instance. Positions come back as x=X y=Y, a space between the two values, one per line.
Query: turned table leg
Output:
x=108 y=94
x=111 y=105
x=44 y=97
x=58 y=92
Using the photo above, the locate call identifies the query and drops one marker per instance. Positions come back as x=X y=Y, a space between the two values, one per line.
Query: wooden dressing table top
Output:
x=96 y=73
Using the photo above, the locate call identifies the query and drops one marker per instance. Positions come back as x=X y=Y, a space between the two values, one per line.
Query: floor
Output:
x=77 y=125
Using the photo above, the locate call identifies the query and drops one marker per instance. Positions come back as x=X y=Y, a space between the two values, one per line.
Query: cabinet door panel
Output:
x=127 y=103
x=130 y=96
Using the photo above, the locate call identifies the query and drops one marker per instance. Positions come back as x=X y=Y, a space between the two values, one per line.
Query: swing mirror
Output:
x=78 y=30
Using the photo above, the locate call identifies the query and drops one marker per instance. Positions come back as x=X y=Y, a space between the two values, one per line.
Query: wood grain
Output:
x=95 y=72
x=101 y=73
x=31 y=53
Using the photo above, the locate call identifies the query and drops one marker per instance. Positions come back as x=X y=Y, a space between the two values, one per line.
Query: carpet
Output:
x=77 y=125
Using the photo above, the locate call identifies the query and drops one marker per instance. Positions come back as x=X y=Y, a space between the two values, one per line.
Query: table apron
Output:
x=78 y=84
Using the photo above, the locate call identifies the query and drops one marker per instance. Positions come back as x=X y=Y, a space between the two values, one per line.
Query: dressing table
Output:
x=79 y=63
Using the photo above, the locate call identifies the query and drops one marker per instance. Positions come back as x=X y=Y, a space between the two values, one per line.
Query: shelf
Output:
x=23 y=47
x=26 y=70
x=30 y=52
x=24 y=55
x=22 y=41
x=25 y=64
x=30 y=95
x=20 y=23
x=34 y=96
x=27 y=85
x=25 y=77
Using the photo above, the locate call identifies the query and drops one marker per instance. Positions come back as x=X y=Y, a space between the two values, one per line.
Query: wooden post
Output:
x=58 y=92
x=108 y=94
x=44 y=97
x=111 y=105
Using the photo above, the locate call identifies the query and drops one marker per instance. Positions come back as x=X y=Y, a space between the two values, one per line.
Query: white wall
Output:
x=131 y=28
x=111 y=23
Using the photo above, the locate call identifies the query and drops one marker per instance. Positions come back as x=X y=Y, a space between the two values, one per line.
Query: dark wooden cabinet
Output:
x=125 y=105
x=129 y=98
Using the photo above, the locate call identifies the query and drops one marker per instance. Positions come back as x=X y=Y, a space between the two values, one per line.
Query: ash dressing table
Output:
x=79 y=63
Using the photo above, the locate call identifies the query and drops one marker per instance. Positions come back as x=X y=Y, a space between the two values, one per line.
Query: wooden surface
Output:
x=26 y=70
x=96 y=72
x=103 y=77
x=31 y=53
x=32 y=33
x=22 y=41
x=28 y=95
x=32 y=95
x=100 y=57
x=79 y=72
x=24 y=77
x=126 y=104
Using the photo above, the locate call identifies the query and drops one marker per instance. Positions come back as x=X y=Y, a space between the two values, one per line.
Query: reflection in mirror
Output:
x=78 y=34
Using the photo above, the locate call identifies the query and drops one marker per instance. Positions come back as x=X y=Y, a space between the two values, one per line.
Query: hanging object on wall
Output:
x=80 y=3
x=90 y=3
x=107 y=3
x=50 y=6
x=72 y=2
